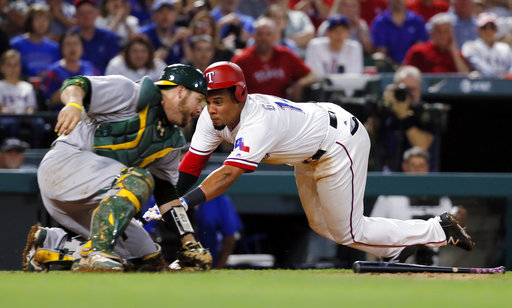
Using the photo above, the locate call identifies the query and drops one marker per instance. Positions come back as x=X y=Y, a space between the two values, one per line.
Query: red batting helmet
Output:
x=226 y=74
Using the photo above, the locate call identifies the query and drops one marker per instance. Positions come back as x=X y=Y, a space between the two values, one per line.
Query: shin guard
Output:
x=131 y=190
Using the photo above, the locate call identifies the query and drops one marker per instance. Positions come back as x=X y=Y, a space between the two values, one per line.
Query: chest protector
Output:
x=142 y=139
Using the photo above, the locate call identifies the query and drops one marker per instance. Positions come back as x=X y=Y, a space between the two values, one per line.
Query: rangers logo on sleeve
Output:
x=239 y=143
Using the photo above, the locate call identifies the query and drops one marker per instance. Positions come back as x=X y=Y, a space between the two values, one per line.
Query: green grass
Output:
x=254 y=288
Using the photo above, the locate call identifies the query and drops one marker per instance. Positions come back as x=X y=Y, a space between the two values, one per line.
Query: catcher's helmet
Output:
x=226 y=74
x=184 y=75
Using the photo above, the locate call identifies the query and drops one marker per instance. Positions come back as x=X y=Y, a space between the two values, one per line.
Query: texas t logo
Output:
x=209 y=76
x=239 y=143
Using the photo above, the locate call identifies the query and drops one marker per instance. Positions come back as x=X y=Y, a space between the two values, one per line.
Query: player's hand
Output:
x=67 y=119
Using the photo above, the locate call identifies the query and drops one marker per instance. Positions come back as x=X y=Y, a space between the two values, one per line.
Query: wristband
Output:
x=184 y=203
x=75 y=105
x=194 y=197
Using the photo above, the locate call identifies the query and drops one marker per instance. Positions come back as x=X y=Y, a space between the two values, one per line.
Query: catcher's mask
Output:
x=226 y=74
x=184 y=75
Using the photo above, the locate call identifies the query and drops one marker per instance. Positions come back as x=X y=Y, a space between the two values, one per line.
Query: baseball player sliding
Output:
x=117 y=147
x=329 y=149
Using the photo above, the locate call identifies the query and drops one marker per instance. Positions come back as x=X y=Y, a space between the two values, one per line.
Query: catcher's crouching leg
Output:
x=48 y=249
x=110 y=219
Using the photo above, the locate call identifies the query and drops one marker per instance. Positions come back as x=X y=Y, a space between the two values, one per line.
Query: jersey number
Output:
x=283 y=105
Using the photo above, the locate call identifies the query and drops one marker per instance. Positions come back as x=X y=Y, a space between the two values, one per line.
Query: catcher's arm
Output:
x=71 y=96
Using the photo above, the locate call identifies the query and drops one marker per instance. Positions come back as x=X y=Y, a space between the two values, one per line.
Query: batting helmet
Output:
x=183 y=75
x=226 y=74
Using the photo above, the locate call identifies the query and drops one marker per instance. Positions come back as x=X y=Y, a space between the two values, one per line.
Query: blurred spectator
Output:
x=505 y=28
x=12 y=155
x=359 y=30
x=70 y=65
x=62 y=18
x=168 y=40
x=18 y=97
x=189 y=9
x=427 y=8
x=115 y=16
x=235 y=28
x=463 y=21
x=254 y=8
x=12 y=16
x=136 y=61
x=372 y=8
x=141 y=9
x=498 y=7
x=218 y=228
x=100 y=45
x=299 y=27
x=271 y=69
x=440 y=54
x=278 y=14
x=402 y=122
x=336 y=52
x=317 y=10
x=395 y=30
x=415 y=161
x=204 y=24
x=36 y=50
x=202 y=51
x=488 y=57
x=479 y=6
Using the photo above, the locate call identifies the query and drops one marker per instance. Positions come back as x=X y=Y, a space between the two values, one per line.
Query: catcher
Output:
x=119 y=143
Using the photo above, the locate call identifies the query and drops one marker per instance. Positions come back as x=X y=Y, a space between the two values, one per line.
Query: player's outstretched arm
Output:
x=220 y=180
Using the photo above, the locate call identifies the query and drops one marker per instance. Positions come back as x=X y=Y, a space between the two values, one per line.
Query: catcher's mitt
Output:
x=192 y=257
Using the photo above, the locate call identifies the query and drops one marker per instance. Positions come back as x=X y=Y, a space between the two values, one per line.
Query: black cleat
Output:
x=455 y=234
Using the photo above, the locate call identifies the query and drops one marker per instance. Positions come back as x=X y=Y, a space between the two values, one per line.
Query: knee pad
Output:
x=136 y=184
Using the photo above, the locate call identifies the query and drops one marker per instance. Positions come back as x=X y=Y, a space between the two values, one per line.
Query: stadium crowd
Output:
x=283 y=46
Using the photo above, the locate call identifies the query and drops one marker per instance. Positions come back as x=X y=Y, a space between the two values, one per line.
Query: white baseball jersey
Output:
x=322 y=60
x=495 y=61
x=271 y=129
x=331 y=189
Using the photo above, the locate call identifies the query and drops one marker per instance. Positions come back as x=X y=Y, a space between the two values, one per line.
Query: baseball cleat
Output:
x=98 y=262
x=35 y=240
x=455 y=234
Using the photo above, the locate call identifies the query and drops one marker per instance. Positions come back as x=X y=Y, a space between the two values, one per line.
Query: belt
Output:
x=333 y=121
